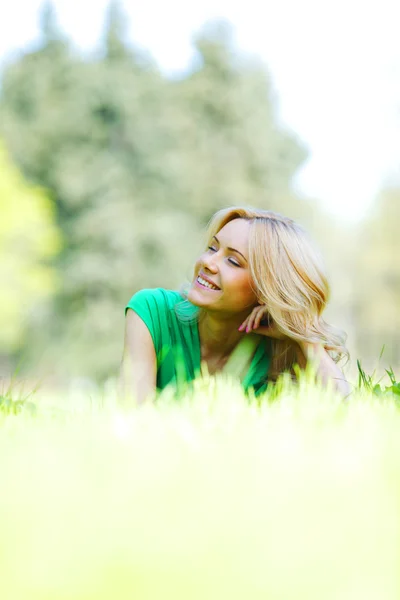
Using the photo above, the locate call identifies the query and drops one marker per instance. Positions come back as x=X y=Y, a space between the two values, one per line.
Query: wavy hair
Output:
x=288 y=277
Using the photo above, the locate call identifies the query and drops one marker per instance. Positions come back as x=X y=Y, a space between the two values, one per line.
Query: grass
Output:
x=295 y=496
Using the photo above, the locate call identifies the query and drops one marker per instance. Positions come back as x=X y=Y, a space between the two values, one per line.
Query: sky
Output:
x=335 y=67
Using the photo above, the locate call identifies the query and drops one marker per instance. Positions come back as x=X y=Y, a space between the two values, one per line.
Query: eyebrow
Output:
x=231 y=249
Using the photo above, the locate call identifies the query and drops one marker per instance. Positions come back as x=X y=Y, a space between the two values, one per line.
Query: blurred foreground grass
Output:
x=295 y=497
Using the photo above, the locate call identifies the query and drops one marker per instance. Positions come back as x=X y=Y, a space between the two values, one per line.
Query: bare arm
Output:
x=138 y=373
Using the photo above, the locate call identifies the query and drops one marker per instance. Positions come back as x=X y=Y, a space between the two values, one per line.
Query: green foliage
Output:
x=377 y=278
x=15 y=407
x=367 y=381
x=136 y=164
x=116 y=48
x=29 y=238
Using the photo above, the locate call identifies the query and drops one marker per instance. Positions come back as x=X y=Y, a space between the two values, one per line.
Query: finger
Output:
x=243 y=325
x=259 y=318
x=258 y=315
x=251 y=319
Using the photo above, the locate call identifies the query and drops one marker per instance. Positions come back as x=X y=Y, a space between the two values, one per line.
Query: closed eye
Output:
x=233 y=262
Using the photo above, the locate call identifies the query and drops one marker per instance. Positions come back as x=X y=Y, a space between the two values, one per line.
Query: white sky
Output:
x=335 y=65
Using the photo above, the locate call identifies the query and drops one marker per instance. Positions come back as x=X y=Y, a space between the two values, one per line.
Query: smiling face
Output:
x=225 y=265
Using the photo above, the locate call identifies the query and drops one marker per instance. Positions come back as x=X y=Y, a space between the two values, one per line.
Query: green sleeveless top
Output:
x=177 y=343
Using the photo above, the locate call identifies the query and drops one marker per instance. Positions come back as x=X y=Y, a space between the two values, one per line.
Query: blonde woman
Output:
x=254 y=309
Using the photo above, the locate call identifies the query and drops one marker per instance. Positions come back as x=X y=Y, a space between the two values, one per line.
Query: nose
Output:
x=210 y=263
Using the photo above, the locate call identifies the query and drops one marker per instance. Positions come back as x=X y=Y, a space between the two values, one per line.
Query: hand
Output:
x=253 y=324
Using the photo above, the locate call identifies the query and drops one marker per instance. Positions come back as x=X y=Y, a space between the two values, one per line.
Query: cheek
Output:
x=249 y=289
x=243 y=285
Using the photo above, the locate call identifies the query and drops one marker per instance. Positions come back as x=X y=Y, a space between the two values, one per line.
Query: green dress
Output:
x=177 y=342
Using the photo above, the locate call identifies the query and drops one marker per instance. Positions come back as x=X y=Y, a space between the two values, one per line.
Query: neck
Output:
x=219 y=336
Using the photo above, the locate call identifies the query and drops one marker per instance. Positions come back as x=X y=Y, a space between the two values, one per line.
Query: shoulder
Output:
x=154 y=306
x=154 y=299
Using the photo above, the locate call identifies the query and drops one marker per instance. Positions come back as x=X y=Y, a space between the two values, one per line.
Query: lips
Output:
x=208 y=280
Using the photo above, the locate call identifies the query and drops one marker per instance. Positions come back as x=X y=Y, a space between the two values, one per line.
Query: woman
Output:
x=253 y=309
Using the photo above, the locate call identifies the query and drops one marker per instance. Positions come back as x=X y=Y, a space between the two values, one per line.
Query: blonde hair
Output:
x=289 y=278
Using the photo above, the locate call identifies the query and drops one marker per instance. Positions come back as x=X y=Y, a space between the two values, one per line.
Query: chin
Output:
x=196 y=297
x=193 y=297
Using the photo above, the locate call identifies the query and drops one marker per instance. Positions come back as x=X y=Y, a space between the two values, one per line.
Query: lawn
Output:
x=293 y=496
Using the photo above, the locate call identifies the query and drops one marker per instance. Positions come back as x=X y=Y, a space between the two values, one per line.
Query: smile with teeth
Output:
x=205 y=283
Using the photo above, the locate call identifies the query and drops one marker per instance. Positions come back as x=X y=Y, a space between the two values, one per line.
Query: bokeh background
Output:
x=125 y=125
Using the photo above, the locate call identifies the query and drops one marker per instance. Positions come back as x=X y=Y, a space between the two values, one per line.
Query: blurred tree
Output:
x=28 y=239
x=377 y=283
x=116 y=47
x=51 y=33
x=137 y=163
x=234 y=151
x=36 y=102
